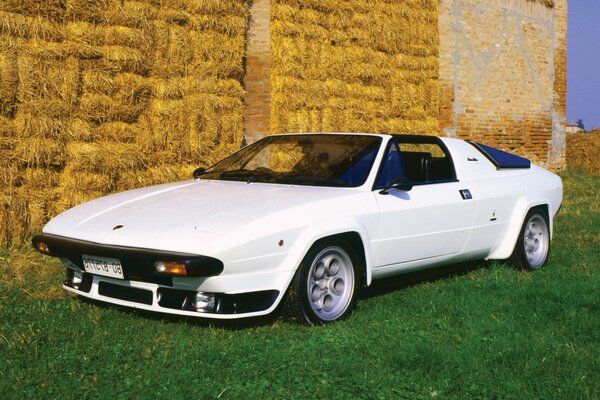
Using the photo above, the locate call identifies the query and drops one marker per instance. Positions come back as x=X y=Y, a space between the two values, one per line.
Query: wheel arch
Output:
x=356 y=234
x=354 y=239
x=505 y=249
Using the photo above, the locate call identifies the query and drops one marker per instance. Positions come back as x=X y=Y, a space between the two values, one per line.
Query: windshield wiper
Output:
x=310 y=180
x=247 y=175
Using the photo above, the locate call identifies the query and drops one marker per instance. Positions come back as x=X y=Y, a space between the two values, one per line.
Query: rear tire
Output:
x=324 y=287
x=533 y=244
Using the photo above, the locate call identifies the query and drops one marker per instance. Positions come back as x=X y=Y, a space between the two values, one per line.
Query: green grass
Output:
x=479 y=331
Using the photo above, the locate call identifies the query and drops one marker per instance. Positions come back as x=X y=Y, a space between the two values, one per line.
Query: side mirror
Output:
x=198 y=171
x=401 y=183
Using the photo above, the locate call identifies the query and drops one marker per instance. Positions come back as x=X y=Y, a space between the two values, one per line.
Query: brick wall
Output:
x=257 y=80
x=503 y=75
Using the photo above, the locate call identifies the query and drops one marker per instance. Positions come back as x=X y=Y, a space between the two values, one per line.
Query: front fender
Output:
x=313 y=233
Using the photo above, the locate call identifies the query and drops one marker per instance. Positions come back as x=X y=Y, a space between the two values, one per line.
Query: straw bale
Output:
x=154 y=176
x=413 y=63
x=7 y=137
x=40 y=152
x=29 y=27
x=231 y=25
x=98 y=35
x=216 y=47
x=100 y=95
x=71 y=199
x=174 y=16
x=10 y=174
x=180 y=52
x=123 y=59
x=45 y=119
x=41 y=78
x=173 y=51
x=426 y=126
x=132 y=14
x=354 y=65
x=41 y=178
x=72 y=181
x=125 y=97
x=50 y=9
x=209 y=7
x=432 y=97
x=80 y=50
x=90 y=10
x=37 y=203
x=230 y=68
x=9 y=82
x=132 y=89
x=85 y=32
x=121 y=132
x=104 y=157
x=80 y=130
x=65 y=78
x=203 y=125
x=98 y=109
x=14 y=218
x=47 y=51
x=98 y=81
x=583 y=150
x=169 y=122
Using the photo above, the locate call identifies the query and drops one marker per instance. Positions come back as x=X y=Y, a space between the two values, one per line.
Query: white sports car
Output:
x=303 y=221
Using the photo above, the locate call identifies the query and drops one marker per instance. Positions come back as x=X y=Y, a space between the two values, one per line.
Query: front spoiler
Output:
x=167 y=300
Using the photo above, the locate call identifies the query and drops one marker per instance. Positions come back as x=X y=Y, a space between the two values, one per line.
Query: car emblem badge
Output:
x=117 y=227
x=466 y=194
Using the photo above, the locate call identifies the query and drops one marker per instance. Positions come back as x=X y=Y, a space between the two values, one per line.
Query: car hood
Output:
x=181 y=216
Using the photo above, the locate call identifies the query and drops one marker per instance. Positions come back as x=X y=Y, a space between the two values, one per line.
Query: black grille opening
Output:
x=176 y=299
x=125 y=293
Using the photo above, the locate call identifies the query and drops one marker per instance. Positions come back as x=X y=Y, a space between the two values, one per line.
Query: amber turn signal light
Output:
x=170 y=268
x=42 y=247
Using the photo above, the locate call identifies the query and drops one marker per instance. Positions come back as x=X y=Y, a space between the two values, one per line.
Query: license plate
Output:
x=104 y=266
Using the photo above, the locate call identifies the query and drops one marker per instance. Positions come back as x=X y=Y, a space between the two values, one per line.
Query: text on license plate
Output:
x=103 y=266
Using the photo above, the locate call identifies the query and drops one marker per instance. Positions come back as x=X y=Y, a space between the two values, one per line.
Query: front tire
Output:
x=533 y=243
x=323 y=289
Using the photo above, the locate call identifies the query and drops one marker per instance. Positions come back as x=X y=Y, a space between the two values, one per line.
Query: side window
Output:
x=426 y=162
x=391 y=166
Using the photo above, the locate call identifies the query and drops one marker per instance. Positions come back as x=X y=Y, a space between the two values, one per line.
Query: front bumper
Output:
x=164 y=299
x=143 y=287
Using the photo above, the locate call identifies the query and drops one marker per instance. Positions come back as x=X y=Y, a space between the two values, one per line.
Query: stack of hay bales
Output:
x=583 y=150
x=354 y=66
x=104 y=95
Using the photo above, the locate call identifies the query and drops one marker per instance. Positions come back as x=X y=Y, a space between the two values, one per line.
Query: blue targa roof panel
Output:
x=502 y=159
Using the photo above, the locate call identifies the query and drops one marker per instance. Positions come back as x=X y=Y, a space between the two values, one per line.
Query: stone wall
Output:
x=503 y=75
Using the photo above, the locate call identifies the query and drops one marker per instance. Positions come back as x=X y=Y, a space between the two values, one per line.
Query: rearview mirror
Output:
x=198 y=171
x=401 y=183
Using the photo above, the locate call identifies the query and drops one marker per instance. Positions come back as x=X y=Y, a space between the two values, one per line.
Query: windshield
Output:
x=312 y=159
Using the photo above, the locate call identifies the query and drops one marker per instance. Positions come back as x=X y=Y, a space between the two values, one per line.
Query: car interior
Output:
x=425 y=159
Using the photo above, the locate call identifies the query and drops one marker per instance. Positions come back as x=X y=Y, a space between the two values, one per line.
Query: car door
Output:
x=430 y=221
